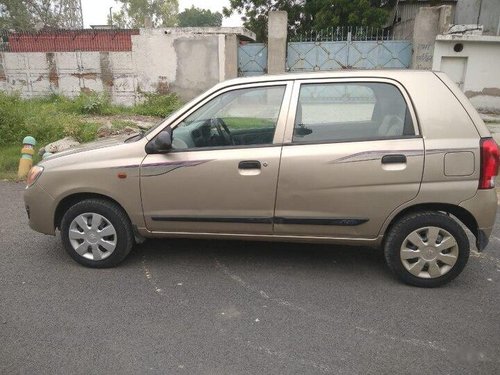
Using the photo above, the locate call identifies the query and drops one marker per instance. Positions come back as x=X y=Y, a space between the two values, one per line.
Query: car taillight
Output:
x=489 y=163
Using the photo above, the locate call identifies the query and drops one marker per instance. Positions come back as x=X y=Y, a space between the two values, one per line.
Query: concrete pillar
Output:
x=429 y=22
x=106 y=72
x=231 y=56
x=276 y=42
x=445 y=18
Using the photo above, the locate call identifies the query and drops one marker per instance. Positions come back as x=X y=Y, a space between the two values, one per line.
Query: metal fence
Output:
x=252 y=59
x=344 y=33
x=348 y=47
x=319 y=56
x=67 y=40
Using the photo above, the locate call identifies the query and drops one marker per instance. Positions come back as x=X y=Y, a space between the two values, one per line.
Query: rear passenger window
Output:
x=351 y=111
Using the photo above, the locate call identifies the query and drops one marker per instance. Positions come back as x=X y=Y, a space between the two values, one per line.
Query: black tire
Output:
x=412 y=222
x=115 y=215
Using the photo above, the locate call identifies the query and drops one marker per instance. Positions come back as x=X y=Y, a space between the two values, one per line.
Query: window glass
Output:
x=236 y=118
x=350 y=111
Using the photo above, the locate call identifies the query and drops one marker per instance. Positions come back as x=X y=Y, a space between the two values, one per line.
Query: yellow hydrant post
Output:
x=26 y=160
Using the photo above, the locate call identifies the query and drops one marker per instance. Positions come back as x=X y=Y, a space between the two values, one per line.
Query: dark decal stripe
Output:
x=264 y=220
x=128 y=166
x=445 y=150
x=345 y=222
x=185 y=163
x=374 y=155
x=158 y=169
x=219 y=219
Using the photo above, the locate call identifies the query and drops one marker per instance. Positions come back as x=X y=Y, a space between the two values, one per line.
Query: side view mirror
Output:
x=302 y=130
x=162 y=143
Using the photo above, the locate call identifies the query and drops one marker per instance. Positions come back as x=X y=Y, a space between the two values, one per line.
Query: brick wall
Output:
x=70 y=41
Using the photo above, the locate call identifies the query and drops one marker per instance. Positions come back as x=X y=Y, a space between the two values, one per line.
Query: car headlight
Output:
x=33 y=175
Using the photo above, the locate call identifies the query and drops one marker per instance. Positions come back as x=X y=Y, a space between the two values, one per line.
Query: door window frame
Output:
x=292 y=113
x=279 y=131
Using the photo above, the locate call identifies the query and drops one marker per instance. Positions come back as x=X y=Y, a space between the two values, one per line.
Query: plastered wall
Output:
x=185 y=61
x=472 y=62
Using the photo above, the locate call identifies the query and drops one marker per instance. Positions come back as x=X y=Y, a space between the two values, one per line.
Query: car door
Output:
x=352 y=154
x=221 y=174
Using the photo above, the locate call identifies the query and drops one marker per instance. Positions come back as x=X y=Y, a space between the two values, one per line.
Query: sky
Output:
x=95 y=12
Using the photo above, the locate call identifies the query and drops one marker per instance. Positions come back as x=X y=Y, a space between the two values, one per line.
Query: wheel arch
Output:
x=460 y=213
x=71 y=199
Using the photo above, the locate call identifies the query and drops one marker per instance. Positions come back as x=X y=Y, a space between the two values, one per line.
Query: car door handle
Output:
x=393 y=159
x=249 y=164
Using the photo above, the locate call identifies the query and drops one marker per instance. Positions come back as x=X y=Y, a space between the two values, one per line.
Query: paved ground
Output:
x=201 y=307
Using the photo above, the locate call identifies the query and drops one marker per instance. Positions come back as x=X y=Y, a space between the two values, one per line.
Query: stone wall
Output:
x=183 y=60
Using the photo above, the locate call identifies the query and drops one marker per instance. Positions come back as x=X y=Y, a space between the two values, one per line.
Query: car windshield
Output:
x=213 y=108
x=166 y=119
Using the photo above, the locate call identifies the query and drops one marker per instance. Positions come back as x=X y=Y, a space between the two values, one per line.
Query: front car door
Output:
x=221 y=175
x=352 y=154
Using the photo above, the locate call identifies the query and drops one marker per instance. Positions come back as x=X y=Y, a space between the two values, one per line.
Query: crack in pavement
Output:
x=318 y=315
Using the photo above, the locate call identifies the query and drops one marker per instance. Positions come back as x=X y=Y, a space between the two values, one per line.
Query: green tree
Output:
x=14 y=15
x=308 y=15
x=333 y=13
x=33 y=14
x=196 y=17
x=254 y=13
x=163 y=13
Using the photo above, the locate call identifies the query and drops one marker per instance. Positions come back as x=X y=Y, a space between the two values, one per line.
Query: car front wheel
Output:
x=96 y=233
x=426 y=249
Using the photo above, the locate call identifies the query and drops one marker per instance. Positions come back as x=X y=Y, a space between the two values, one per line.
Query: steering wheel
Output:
x=223 y=130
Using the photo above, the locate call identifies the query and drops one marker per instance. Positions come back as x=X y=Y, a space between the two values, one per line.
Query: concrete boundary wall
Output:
x=69 y=73
x=186 y=61
x=430 y=22
x=277 y=42
x=471 y=61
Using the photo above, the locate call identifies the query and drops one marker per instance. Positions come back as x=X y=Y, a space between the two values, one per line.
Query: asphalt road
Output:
x=221 y=307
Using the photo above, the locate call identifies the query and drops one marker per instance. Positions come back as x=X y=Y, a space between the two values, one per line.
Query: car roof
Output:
x=396 y=74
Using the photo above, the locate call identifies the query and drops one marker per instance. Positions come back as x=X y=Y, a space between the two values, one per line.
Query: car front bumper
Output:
x=40 y=209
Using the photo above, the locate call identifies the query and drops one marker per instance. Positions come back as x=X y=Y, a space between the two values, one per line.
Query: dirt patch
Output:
x=488 y=91
x=162 y=87
x=106 y=73
x=53 y=76
x=85 y=75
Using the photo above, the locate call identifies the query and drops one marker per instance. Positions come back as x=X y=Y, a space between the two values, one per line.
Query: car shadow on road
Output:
x=253 y=253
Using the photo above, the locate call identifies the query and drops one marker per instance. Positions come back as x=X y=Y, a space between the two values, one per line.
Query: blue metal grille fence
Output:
x=252 y=59
x=315 y=56
x=332 y=49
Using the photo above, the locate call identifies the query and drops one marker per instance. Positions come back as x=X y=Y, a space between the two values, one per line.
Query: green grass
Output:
x=157 y=105
x=54 y=117
x=9 y=161
x=248 y=122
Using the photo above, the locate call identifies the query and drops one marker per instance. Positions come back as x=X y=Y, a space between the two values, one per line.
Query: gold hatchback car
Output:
x=392 y=159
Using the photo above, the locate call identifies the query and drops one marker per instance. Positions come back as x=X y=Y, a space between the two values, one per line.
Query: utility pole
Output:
x=71 y=14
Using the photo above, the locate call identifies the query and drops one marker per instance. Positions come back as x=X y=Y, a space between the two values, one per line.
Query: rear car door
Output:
x=221 y=175
x=352 y=154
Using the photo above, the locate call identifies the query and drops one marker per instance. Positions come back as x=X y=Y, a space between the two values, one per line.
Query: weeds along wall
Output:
x=124 y=64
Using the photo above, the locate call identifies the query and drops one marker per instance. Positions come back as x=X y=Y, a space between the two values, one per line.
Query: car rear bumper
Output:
x=483 y=238
x=39 y=207
x=483 y=206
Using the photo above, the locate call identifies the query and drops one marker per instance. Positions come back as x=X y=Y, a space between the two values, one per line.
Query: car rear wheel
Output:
x=96 y=233
x=426 y=249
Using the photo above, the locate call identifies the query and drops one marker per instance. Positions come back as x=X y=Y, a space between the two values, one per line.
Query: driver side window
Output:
x=241 y=117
